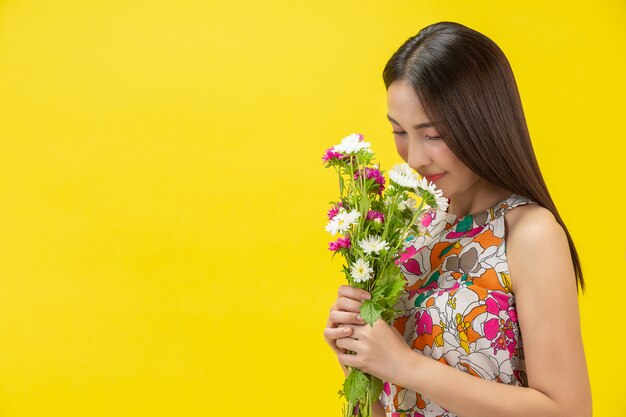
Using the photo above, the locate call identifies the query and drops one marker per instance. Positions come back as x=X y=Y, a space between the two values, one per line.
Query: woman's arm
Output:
x=540 y=265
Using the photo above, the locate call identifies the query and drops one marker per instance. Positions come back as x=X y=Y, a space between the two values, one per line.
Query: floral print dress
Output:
x=458 y=306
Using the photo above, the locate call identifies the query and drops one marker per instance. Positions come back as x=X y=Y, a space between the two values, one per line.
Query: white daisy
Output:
x=442 y=202
x=374 y=244
x=409 y=204
x=403 y=175
x=342 y=221
x=431 y=194
x=351 y=144
x=361 y=270
x=388 y=198
x=424 y=184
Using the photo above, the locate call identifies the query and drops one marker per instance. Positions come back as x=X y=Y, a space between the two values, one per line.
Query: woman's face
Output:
x=419 y=146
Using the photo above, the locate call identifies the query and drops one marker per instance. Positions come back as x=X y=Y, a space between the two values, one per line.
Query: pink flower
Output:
x=428 y=218
x=334 y=210
x=329 y=154
x=407 y=254
x=342 y=242
x=387 y=388
x=500 y=329
x=375 y=216
x=423 y=323
x=376 y=175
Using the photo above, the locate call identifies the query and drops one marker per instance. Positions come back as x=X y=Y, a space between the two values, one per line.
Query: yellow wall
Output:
x=163 y=203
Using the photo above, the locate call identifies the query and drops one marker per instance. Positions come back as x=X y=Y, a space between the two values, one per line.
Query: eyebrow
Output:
x=417 y=126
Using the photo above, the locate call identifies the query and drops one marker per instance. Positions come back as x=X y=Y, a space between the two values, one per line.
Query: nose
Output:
x=417 y=158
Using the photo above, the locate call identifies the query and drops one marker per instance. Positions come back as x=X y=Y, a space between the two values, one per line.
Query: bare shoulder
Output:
x=544 y=283
x=530 y=231
x=528 y=215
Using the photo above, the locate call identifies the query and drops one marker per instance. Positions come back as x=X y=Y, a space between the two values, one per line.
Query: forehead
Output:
x=403 y=103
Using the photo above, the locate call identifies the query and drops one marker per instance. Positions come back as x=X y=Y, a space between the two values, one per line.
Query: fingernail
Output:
x=346 y=330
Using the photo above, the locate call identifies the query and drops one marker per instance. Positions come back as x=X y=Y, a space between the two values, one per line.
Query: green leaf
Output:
x=390 y=285
x=432 y=278
x=355 y=386
x=465 y=224
x=467 y=280
x=397 y=284
x=376 y=387
x=341 y=394
x=379 y=283
x=446 y=250
x=370 y=311
x=346 y=271
x=376 y=226
x=420 y=298
x=365 y=204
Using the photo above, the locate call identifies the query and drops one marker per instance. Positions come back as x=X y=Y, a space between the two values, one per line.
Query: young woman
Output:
x=491 y=321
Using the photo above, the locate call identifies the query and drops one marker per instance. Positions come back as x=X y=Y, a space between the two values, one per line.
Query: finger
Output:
x=348 y=304
x=349 y=359
x=355 y=331
x=333 y=334
x=354 y=293
x=341 y=317
x=329 y=322
x=332 y=342
x=347 y=343
x=335 y=348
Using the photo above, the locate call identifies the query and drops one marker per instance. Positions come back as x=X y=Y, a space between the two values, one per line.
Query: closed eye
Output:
x=426 y=136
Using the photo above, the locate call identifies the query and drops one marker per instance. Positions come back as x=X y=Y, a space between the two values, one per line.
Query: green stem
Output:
x=402 y=235
x=338 y=171
x=387 y=214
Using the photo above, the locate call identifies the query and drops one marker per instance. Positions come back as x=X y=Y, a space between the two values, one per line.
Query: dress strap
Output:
x=516 y=200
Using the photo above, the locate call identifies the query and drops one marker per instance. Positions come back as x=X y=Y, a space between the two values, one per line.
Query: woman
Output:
x=486 y=331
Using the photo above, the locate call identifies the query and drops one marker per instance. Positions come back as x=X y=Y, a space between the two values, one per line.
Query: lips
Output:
x=434 y=177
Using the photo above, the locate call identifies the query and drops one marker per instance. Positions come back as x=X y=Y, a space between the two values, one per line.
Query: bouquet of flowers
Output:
x=377 y=225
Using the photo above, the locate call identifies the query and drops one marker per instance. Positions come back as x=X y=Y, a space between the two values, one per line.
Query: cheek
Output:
x=454 y=164
x=447 y=157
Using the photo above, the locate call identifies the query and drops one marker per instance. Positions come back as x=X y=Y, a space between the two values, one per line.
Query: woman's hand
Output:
x=344 y=312
x=380 y=350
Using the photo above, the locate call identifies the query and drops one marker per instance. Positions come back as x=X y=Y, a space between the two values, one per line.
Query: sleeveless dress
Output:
x=458 y=307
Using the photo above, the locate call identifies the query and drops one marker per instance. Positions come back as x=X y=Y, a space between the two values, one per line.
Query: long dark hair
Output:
x=467 y=89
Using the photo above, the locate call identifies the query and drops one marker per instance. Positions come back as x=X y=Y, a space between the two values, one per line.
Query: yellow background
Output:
x=163 y=202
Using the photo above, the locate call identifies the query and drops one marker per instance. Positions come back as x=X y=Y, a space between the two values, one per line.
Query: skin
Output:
x=545 y=294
